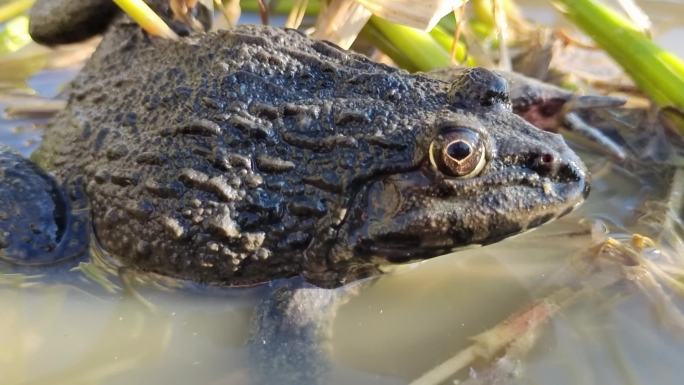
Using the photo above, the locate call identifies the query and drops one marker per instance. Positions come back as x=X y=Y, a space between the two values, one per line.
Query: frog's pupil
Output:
x=458 y=150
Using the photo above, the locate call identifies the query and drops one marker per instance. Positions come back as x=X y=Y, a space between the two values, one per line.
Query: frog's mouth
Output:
x=418 y=215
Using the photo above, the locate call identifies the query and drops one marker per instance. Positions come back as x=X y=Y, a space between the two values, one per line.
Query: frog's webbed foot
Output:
x=551 y=108
x=575 y=123
x=62 y=22
x=54 y=22
x=545 y=105
x=37 y=225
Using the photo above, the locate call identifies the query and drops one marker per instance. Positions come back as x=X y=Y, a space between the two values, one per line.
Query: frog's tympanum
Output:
x=240 y=156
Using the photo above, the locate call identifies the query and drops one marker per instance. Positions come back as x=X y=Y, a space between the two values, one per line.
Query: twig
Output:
x=32 y=107
x=263 y=12
x=296 y=15
x=502 y=34
x=492 y=341
x=459 y=14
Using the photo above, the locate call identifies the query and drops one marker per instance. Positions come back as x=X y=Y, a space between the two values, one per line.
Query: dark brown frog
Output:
x=240 y=156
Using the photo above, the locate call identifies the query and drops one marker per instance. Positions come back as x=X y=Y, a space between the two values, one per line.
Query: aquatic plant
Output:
x=657 y=72
x=139 y=11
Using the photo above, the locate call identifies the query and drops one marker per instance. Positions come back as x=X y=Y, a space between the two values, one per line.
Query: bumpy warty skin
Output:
x=256 y=153
x=217 y=159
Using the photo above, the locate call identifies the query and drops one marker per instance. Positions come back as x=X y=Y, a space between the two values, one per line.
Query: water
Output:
x=66 y=327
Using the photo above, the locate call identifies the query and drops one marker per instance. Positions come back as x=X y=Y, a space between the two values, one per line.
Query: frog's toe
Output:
x=36 y=224
x=54 y=22
x=545 y=105
x=605 y=144
x=579 y=102
x=62 y=22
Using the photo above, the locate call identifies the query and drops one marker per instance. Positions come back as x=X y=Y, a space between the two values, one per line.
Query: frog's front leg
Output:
x=63 y=21
x=544 y=105
x=290 y=340
x=551 y=108
x=37 y=226
x=54 y=22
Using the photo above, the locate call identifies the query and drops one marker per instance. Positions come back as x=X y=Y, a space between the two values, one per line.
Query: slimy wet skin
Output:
x=240 y=156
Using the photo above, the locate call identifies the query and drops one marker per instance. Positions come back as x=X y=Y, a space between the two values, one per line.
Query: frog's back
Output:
x=218 y=158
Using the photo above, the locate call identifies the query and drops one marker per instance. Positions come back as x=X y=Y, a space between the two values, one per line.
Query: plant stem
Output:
x=657 y=72
x=419 y=47
x=14 y=8
x=147 y=18
x=281 y=7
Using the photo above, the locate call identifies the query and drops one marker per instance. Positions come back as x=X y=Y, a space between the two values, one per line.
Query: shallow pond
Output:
x=81 y=326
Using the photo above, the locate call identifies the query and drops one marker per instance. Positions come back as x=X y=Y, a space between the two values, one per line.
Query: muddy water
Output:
x=64 y=326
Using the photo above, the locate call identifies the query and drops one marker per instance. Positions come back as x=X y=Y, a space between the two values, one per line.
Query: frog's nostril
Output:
x=546 y=164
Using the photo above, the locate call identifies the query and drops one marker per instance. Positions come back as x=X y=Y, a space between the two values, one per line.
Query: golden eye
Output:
x=458 y=152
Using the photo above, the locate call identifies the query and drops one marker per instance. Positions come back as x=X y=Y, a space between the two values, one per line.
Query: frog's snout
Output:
x=577 y=172
x=548 y=165
x=407 y=217
x=567 y=172
x=587 y=189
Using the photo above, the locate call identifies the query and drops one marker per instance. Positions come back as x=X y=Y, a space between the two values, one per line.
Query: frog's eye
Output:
x=458 y=152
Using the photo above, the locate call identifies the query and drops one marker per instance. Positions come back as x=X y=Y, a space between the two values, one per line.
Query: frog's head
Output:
x=481 y=174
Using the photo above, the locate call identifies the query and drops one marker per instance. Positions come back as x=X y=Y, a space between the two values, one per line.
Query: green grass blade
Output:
x=446 y=40
x=14 y=8
x=657 y=72
x=146 y=17
x=419 y=47
x=281 y=7
x=379 y=41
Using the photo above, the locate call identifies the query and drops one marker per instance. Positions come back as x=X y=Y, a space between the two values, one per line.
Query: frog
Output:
x=240 y=156
x=257 y=156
